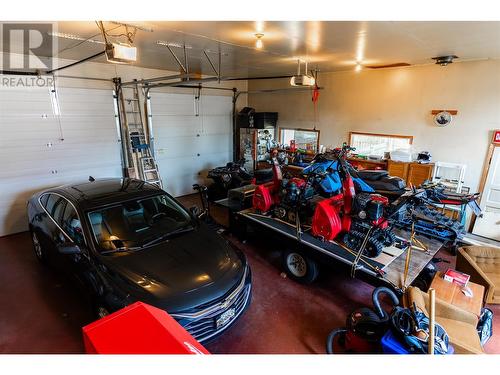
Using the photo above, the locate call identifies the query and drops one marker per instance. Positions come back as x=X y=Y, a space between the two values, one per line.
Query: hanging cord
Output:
x=314 y=98
x=130 y=35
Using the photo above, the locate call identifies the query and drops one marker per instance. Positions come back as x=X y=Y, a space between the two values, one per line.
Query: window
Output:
x=305 y=139
x=43 y=199
x=140 y=222
x=378 y=144
x=72 y=225
x=58 y=209
x=51 y=200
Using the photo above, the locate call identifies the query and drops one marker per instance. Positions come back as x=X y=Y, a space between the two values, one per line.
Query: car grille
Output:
x=202 y=325
x=204 y=328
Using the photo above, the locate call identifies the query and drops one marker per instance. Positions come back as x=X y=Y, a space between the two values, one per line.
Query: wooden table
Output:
x=452 y=294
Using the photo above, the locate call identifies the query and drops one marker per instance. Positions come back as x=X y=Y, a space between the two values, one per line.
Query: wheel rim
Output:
x=296 y=264
x=36 y=245
x=102 y=312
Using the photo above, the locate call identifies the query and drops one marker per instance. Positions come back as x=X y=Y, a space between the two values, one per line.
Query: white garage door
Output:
x=33 y=155
x=186 y=145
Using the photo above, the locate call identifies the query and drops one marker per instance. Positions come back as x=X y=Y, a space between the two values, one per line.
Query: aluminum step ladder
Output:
x=142 y=163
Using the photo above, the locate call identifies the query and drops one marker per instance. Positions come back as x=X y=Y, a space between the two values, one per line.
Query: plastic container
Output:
x=392 y=345
x=139 y=329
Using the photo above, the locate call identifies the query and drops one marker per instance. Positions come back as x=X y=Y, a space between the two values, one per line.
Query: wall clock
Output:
x=443 y=118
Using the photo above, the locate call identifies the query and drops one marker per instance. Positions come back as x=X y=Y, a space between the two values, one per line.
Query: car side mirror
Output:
x=195 y=211
x=69 y=248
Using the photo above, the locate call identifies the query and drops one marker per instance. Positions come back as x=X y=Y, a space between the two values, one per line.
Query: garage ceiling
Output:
x=330 y=46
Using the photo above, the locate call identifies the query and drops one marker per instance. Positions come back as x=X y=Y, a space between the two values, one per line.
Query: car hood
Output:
x=185 y=271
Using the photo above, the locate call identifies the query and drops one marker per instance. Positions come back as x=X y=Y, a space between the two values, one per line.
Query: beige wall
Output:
x=399 y=101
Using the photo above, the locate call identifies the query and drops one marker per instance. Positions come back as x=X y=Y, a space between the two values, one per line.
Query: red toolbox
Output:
x=139 y=329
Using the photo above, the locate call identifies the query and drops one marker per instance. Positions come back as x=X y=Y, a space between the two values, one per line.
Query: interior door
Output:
x=489 y=225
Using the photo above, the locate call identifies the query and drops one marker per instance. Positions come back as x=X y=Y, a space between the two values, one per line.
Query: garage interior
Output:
x=431 y=86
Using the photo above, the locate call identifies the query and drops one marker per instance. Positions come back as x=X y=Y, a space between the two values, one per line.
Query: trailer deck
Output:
x=386 y=270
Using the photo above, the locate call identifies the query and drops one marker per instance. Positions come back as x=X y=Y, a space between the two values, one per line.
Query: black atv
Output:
x=234 y=175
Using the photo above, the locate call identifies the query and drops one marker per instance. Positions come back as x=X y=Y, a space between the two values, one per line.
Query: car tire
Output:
x=300 y=267
x=37 y=247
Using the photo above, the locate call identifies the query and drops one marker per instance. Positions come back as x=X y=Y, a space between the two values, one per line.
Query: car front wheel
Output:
x=37 y=247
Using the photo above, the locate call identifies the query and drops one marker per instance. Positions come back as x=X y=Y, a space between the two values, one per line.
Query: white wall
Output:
x=399 y=101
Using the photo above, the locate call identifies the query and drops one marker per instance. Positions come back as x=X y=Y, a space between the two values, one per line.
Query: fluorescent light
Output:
x=74 y=37
x=358 y=67
x=172 y=44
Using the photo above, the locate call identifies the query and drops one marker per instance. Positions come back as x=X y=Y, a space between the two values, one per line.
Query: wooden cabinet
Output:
x=413 y=173
x=398 y=169
x=418 y=173
x=367 y=164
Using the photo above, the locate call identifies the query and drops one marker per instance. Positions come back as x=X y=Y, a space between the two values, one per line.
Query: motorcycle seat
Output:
x=372 y=175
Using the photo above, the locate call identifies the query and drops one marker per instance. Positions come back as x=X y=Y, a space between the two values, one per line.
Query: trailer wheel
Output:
x=300 y=267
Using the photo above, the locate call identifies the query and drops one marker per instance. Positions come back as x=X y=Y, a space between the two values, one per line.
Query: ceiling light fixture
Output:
x=358 y=67
x=445 y=60
x=258 y=42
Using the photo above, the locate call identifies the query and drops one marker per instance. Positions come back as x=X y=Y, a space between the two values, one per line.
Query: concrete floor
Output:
x=41 y=313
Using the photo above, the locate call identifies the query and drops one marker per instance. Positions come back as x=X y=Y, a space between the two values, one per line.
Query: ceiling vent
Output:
x=445 y=60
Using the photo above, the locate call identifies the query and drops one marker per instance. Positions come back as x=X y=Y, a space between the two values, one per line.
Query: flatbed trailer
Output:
x=389 y=272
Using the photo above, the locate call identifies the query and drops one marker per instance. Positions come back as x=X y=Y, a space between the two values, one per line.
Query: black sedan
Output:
x=125 y=240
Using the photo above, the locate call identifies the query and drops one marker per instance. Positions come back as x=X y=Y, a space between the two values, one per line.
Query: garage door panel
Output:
x=34 y=109
x=164 y=126
x=214 y=143
x=217 y=124
x=90 y=145
x=180 y=170
x=172 y=104
x=216 y=105
x=36 y=138
x=73 y=109
x=180 y=137
x=174 y=147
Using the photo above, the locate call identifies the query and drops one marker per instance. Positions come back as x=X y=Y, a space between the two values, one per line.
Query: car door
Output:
x=70 y=224
x=51 y=231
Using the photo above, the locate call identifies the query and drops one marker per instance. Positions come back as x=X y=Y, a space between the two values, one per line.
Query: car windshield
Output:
x=138 y=223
